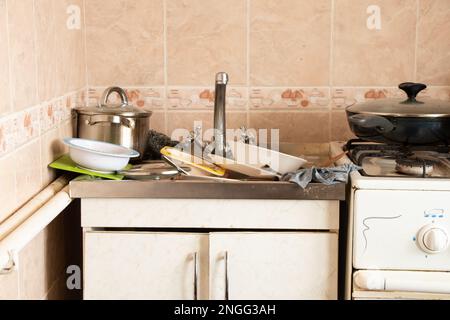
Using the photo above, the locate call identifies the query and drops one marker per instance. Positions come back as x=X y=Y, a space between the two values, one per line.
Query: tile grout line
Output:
x=86 y=76
x=248 y=17
x=416 y=39
x=8 y=40
x=35 y=47
x=331 y=69
x=166 y=72
x=12 y=94
x=37 y=96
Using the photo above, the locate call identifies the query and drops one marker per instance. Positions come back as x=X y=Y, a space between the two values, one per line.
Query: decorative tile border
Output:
x=344 y=97
x=27 y=125
x=146 y=98
x=7 y=135
x=290 y=98
x=18 y=128
x=201 y=98
x=261 y=98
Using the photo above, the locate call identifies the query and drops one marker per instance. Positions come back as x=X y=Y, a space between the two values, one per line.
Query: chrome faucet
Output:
x=220 y=127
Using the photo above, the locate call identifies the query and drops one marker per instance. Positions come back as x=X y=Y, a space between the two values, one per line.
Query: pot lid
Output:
x=411 y=107
x=124 y=109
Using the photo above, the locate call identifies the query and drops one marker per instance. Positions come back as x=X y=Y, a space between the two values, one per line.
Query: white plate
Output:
x=99 y=156
x=256 y=161
x=243 y=168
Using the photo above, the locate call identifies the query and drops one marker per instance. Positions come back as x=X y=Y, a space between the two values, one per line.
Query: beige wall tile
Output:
x=125 y=42
x=67 y=130
x=5 y=106
x=48 y=51
x=28 y=171
x=236 y=120
x=8 y=187
x=22 y=53
x=290 y=42
x=295 y=127
x=52 y=147
x=364 y=57
x=43 y=260
x=158 y=122
x=186 y=120
x=71 y=65
x=9 y=286
x=433 y=56
x=204 y=38
x=340 y=130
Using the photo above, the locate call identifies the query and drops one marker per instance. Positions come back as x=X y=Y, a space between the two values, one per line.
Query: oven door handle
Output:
x=385 y=281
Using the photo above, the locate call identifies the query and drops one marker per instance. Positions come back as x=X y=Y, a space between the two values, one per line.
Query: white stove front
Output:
x=401 y=230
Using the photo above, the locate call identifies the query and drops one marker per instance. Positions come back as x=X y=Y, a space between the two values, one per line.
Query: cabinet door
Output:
x=141 y=265
x=261 y=266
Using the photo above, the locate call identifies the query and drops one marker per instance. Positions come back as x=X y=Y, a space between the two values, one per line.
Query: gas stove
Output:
x=399 y=221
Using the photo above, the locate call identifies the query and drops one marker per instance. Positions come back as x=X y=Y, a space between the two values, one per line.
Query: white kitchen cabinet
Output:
x=140 y=265
x=219 y=266
x=282 y=249
x=271 y=266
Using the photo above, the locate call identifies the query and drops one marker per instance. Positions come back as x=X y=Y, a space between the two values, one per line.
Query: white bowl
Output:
x=99 y=156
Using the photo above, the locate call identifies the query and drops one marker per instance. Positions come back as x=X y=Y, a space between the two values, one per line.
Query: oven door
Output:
x=377 y=284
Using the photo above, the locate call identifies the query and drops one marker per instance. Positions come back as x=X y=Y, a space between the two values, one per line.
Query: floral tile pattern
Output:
x=21 y=127
x=344 y=97
x=27 y=126
x=203 y=98
x=146 y=98
x=7 y=134
x=289 y=98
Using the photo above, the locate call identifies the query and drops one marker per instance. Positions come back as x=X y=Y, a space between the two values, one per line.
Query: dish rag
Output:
x=327 y=176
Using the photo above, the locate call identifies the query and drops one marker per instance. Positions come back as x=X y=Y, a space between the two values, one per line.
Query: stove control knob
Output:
x=433 y=239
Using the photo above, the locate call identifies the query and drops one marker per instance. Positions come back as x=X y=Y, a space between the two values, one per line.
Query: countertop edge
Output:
x=104 y=189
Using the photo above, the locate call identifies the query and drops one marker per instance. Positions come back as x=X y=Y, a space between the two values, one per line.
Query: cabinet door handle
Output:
x=227 y=282
x=196 y=276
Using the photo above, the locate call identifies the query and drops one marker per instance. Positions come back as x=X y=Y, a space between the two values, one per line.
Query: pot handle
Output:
x=93 y=120
x=412 y=90
x=369 y=121
x=105 y=97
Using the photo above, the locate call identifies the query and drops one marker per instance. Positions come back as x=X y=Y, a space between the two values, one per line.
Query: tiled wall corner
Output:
x=43 y=67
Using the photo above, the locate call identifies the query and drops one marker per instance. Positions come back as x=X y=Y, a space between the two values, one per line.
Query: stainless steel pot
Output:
x=121 y=124
x=411 y=121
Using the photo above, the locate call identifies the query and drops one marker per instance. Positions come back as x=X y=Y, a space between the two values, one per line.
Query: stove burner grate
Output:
x=405 y=156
